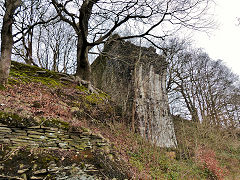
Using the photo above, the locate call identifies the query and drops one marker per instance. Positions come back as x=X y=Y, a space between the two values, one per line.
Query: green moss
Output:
x=13 y=81
x=94 y=99
x=22 y=73
x=48 y=81
x=104 y=95
x=2 y=87
x=14 y=120
x=81 y=146
x=137 y=163
x=56 y=123
x=87 y=106
x=82 y=88
x=46 y=159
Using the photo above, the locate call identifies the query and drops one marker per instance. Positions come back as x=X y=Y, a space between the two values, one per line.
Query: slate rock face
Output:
x=135 y=79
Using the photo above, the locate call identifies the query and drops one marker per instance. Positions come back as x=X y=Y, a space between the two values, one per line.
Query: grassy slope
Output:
x=203 y=152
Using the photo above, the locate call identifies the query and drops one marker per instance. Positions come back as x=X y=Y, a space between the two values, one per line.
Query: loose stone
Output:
x=21 y=171
x=42 y=171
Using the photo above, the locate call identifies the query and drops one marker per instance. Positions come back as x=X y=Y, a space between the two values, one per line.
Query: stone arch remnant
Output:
x=135 y=78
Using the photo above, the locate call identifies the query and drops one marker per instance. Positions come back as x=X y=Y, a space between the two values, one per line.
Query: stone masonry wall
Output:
x=55 y=140
x=39 y=136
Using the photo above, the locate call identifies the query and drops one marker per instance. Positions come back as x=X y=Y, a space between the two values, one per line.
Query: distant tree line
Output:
x=203 y=89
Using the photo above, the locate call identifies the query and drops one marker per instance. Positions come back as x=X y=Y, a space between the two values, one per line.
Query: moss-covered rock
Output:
x=55 y=123
x=14 y=120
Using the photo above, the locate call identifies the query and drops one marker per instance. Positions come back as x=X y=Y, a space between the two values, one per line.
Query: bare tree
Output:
x=32 y=14
x=205 y=87
x=55 y=47
x=94 y=21
x=27 y=18
x=7 y=39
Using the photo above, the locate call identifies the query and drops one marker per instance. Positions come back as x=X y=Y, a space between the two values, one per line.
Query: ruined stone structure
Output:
x=135 y=79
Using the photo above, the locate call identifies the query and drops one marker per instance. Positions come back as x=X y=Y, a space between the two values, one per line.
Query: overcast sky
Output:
x=224 y=42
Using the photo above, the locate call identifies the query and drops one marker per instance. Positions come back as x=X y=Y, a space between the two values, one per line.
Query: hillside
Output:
x=53 y=128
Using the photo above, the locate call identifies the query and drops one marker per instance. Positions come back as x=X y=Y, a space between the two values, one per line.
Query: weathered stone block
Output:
x=63 y=136
x=18 y=134
x=48 y=144
x=37 y=178
x=23 y=137
x=5 y=130
x=21 y=171
x=18 y=140
x=41 y=171
x=63 y=145
x=35 y=132
x=5 y=141
x=35 y=136
x=35 y=127
x=17 y=130
x=51 y=135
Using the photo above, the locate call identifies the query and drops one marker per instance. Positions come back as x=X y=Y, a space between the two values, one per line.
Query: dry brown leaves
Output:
x=33 y=99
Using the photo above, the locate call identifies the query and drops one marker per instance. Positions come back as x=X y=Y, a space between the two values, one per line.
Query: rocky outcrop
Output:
x=135 y=79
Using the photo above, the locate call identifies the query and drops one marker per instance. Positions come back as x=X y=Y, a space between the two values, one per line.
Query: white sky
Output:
x=224 y=42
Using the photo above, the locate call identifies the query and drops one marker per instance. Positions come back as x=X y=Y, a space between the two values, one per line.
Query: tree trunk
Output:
x=83 y=65
x=7 y=39
x=81 y=28
x=55 y=57
x=28 y=47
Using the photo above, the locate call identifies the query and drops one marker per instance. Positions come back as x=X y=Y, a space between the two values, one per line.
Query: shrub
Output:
x=206 y=158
